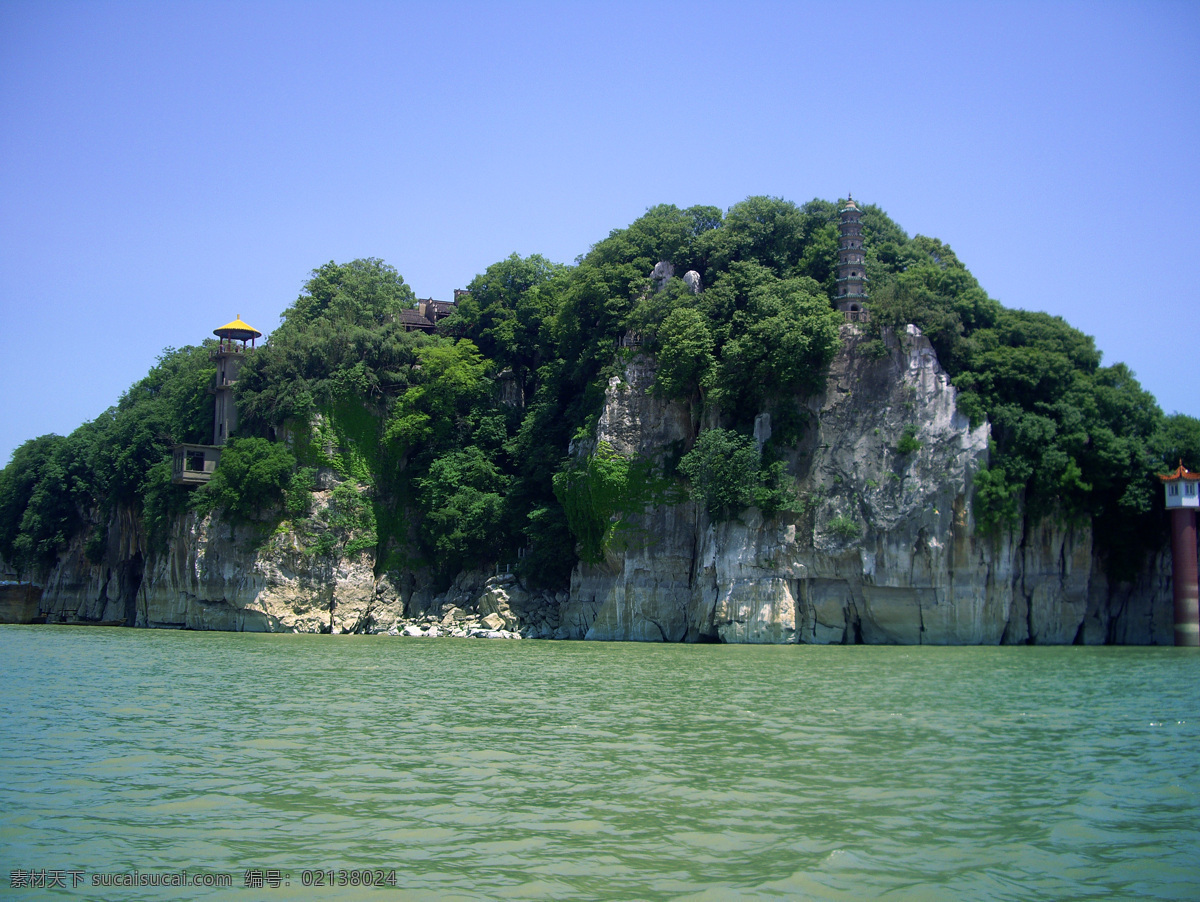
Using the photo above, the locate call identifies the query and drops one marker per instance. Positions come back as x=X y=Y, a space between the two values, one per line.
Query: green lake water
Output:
x=478 y=769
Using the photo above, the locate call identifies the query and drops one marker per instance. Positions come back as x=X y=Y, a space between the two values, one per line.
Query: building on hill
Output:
x=852 y=265
x=428 y=313
x=194 y=464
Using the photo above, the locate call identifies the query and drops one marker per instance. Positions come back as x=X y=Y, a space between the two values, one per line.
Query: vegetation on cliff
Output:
x=450 y=451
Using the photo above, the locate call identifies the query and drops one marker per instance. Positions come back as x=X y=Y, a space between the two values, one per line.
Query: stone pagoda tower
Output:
x=1182 y=488
x=852 y=262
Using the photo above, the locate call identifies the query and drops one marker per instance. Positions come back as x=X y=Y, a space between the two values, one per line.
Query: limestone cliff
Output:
x=214 y=575
x=882 y=549
x=885 y=548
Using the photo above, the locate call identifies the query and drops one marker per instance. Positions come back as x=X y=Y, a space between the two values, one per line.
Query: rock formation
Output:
x=663 y=272
x=885 y=548
x=882 y=549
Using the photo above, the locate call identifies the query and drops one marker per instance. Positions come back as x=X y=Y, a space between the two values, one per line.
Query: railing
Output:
x=224 y=349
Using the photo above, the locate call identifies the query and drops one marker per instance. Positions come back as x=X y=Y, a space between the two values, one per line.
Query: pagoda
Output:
x=852 y=263
x=1182 y=489
x=195 y=464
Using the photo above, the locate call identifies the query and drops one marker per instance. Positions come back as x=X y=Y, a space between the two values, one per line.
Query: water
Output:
x=547 y=770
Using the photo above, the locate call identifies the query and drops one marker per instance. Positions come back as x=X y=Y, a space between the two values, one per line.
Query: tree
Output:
x=365 y=292
x=1178 y=439
x=786 y=340
x=507 y=312
x=36 y=514
x=685 y=358
x=461 y=497
x=428 y=445
x=250 y=479
x=766 y=230
x=436 y=410
x=340 y=339
x=723 y=468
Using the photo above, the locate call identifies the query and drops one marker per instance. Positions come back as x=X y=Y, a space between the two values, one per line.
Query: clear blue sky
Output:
x=166 y=166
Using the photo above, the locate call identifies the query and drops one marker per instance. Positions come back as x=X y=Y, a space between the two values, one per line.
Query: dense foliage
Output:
x=1069 y=437
x=450 y=451
x=56 y=486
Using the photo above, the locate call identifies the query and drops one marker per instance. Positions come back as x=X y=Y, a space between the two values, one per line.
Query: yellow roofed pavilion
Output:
x=237 y=331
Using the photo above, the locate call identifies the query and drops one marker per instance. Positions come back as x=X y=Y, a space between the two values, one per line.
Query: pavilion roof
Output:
x=238 y=330
x=1180 y=472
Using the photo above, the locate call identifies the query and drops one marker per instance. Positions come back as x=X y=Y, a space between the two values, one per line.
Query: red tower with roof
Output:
x=1182 y=488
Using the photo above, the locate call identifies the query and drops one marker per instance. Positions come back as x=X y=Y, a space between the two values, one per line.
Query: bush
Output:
x=997 y=500
x=723 y=470
x=298 y=498
x=250 y=479
x=874 y=349
x=908 y=441
x=845 y=528
x=592 y=493
x=352 y=514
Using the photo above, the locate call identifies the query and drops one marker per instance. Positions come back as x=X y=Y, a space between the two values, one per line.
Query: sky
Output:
x=165 y=167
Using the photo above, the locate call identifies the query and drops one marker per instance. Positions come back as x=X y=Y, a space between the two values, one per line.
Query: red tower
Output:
x=1183 y=499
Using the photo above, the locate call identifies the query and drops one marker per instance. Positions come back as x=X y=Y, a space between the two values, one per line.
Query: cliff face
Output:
x=883 y=550
x=212 y=575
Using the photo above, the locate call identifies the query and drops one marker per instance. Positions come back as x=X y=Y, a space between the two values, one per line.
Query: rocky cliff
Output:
x=883 y=549
x=213 y=575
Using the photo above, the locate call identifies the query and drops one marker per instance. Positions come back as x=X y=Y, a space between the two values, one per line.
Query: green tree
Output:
x=171 y=404
x=766 y=230
x=723 y=468
x=508 y=311
x=685 y=359
x=462 y=499
x=438 y=408
x=1178 y=439
x=36 y=514
x=365 y=292
x=341 y=339
x=787 y=338
x=250 y=480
